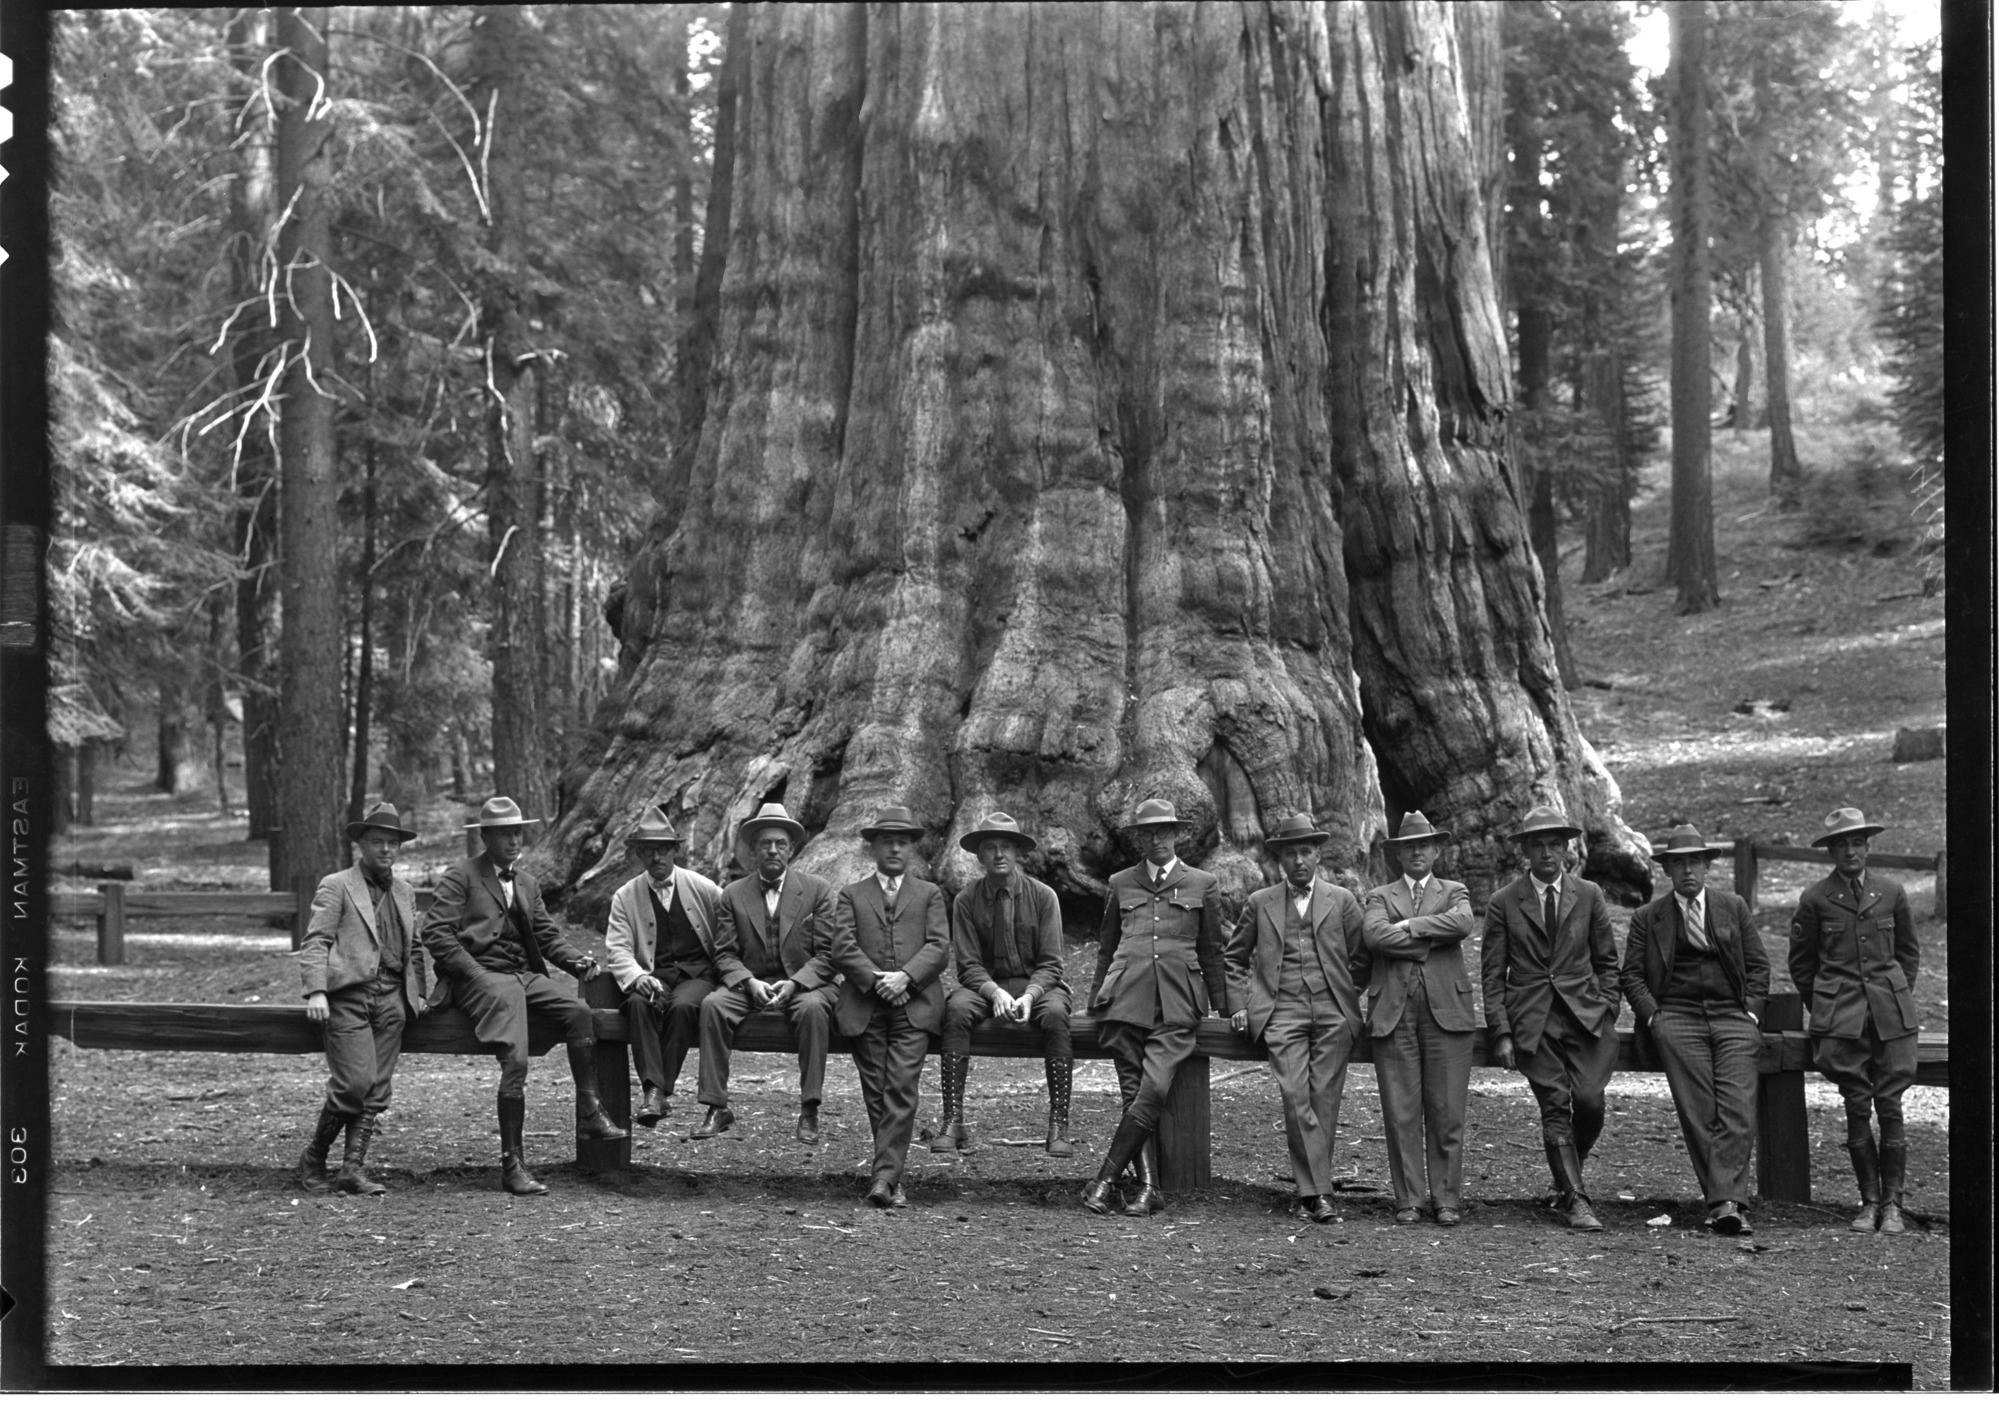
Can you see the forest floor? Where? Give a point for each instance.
(177, 1236)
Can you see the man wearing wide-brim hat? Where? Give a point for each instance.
(774, 951)
(1296, 959)
(1854, 956)
(365, 977)
(1006, 930)
(1159, 972)
(1549, 964)
(493, 941)
(1696, 976)
(659, 943)
(1422, 1019)
(891, 941)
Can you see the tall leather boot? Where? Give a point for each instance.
(312, 1162)
(1149, 1198)
(1102, 1195)
(1554, 1152)
(514, 1174)
(591, 1120)
(1867, 1172)
(353, 1176)
(1061, 1078)
(1894, 1170)
(1576, 1203)
(951, 1136)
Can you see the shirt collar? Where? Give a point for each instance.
(664, 890)
(1699, 902)
(1160, 873)
(992, 889)
(1541, 891)
(888, 883)
(1415, 886)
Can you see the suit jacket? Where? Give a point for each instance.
(1255, 951)
(1037, 935)
(867, 944)
(1434, 939)
(342, 947)
(1159, 949)
(631, 935)
(1850, 960)
(468, 916)
(1525, 967)
(1655, 930)
(803, 939)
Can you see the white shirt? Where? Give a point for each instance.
(1415, 890)
(1160, 873)
(1301, 900)
(771, 894)
(663, 892)
(1541, 891)
(889, 884)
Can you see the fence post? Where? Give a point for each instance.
(111, 925)
(302, 891)
(1184, 1130)
(1745, 869)
(1783, 1134)
(614, 1085)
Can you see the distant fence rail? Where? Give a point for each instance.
(114, 902)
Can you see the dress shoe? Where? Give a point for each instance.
(717, 1120)
(808, 1123)
(1408, 1216)
(896, 1198)
(1448, 1217)
(1869, 1219)
(593, 1122)
(654, 1108)
(1301, 1207)
(1101, 1196)
(1725, 1220)
(1323, 1211)
(1891, 1219)
(881, 1193)
(1581, 1218)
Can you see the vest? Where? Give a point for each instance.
(1299, 972)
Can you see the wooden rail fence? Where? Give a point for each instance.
(1783, 1159)
(1747, 853)
(114, 902)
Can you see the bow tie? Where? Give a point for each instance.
(771, 888)
(507, 874)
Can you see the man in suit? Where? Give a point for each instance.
(660, 944)
(365, 976)
(773, 949)
(1854, 957)
(1696, 976)
(493, 941)
(891, 940)
(1159, 972)
(1006, 930)
(1295, 959)
(1549, 964)
(1420, 1014)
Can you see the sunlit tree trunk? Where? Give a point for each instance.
(1690, 565)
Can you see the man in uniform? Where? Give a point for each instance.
(773, 949)
(365, 976)
(1549, 964)
(1295, 958)
(1854, 957)
(891, 941)
(1007, 933)
(1159, 972)
(1421, 1016)
(493, 941)
(1696, 976)
(660, 944)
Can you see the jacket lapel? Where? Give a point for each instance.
(1666, 931)
(1530, 903)
(491, 879)
(1564, 903)
(364, 901)
(1868, 895)
(787, 912)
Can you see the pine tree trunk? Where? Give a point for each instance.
(1742, 413)
(1012, 487)
(170, 736)
(1786, 476)
(1607, 535)
(514, 631)
(1690, 565)
(251, 265)
(309, 780)
(214, 701)
(364, 678)
(85, 803)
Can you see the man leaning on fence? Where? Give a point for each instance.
(1854, 957)
(365, 976)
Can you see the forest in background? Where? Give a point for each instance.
(503, 314)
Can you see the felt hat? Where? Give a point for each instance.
(382, 816)
(1545, 820)
(1155, 812)
(771, 815)
(500, 812)
(996, 824)
(1298, 827)
(1845, 822)
(1683, 840)
(653, 827)
(897, 819)
(1416, 828)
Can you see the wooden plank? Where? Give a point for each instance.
(614, 1084)
(1819, 856)
(141, 903)
(1783, 1131)
(1185, 1130)
(111, 926)
(1745, 869)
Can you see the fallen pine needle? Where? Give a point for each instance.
(1682, 1318)
(1046, 1334)
(841, 1229)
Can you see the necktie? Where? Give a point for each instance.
(1690, 915)
(1008, 950)
(888, 898)
(1548, 912)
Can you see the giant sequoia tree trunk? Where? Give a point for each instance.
(308, 844)
(1021, 476)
